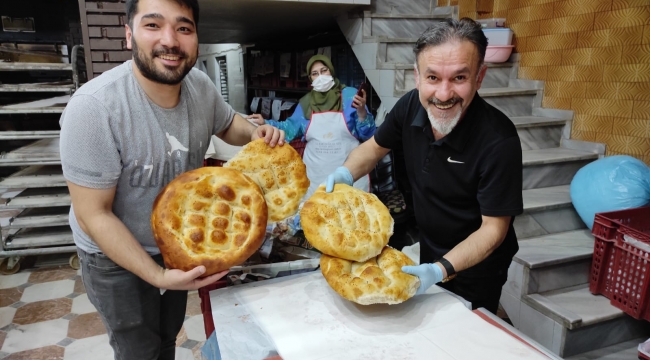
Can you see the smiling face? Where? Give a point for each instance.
(163, 40)
(447, 77)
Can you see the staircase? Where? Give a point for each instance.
(546, 295)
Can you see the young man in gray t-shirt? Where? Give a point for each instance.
(124, 136)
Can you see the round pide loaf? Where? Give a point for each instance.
(280, 173)
(379, 280)
(210, 216)
(347, 223)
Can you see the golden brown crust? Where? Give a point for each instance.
(347, 223)
(210, 216)
(379, 280)
(280, 173)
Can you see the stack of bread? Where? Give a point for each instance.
(352, 228)
(217, 216)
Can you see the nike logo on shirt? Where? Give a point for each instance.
(454, 161)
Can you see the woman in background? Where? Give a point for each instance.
(333, 120)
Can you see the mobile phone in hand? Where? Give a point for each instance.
(361, 87)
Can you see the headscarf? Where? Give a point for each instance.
(316, 101)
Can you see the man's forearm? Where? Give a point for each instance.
(117, 242)
(239, 132)
(479, 245)
(364, 158)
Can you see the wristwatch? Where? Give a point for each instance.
(451, 272)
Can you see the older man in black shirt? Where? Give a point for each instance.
(463, 161)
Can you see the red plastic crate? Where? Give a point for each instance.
(602, 265)
(206, 308)
(632, 268)
(605, 230)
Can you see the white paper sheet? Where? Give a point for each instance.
(305, 319)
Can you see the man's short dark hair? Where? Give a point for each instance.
(447, 30)
(132, 9)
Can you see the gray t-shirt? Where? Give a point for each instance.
(112, 135)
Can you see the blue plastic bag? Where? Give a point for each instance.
(610, 184)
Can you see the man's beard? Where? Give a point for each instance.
(444, 125)
(146, 65)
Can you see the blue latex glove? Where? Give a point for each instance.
(340, 176)
(429, 274)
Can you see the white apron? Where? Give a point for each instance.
(329, 143)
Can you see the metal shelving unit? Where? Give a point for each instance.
(37, 192)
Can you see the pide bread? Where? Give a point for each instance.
(347, 223)
(210, 216)
(280, 173)
(379, 280)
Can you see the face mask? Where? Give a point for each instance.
(323, 83)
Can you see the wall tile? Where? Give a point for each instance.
(575, 73)
(576, 7)
(525, 28)
(641, 110)
(564, 89)
(534, 2)
(629, 144)
(592, 56)
(635, 54)
(540, 11)
(552, 42)
(567, 24)
(556, 103)
(610, 37)
(631, 127)
(618, 90)
(533, 73)
(637, 16)
(627, 73)
(622, 4)
(646, 35)
(541, 58)
(602, 107)
(505, 5)
(599, 124)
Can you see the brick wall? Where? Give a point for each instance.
(594, 56)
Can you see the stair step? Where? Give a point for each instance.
(507, 91)
(553, 166)
(574, 307)
(572, 321)
(26, 66)
(625, 350)
(523, 122)
(556, 155)
(555, 249)
(549, 198)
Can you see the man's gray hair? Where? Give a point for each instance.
(447, 30)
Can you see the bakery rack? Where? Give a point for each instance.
(36, 202)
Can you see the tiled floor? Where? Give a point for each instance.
(45, 314)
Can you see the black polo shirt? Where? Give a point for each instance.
(475, 170)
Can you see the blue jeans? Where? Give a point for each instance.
(141, 324)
